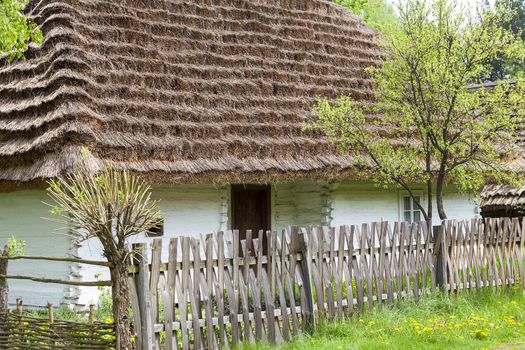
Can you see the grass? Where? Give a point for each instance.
(482, 320)
(103, 311)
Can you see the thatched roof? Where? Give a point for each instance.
(182, 90)
(502, 200)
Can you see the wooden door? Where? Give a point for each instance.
(251, 209)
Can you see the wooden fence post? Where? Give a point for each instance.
(4, 288)
(145, 306)
(4, 295)
(50, 313)
(439, 239)
(91, 313)
(308, 308)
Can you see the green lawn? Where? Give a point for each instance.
(485, 320)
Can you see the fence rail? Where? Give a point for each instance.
(218, 291)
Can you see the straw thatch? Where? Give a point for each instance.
(502, 200)
(182, 90)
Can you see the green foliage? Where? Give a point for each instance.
(376, 13)
(104, 306)
(431, 128)
(504, 67)
(483, 320)
(16, 32)
(15, 247)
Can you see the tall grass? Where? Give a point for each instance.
(482, 320)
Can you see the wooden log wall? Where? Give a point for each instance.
(217, 291)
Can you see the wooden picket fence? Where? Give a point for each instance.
(216, 291)
(482, 253)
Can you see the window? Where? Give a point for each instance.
(156, 231)
(411, 212)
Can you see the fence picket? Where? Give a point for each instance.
(397, 241)
(493, 252)
(471, 262)
(477, 235)
(281, 283)
(348, 267)
(290, 276)
(412, 263)
(463, 231)
(329, 270)
(268, 284)
(318, 268)
(169, 295)
(183, 292)
(387, 255)
(156, 251)
(210, 330)
(220, 289)
(338, 271)
(255, 278)
(522, 250)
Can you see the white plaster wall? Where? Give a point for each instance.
(300, 203)
(188, 210)
(195, 209)
(362, 202)
(21, 214)
(457, 206)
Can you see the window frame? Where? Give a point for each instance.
(156, 231)
(413, 206)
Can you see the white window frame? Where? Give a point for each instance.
(413, 209)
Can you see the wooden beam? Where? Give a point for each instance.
(56, 258)
(58, 281)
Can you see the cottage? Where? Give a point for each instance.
(205, 99)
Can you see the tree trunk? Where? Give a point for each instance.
(428, 165)
(4, 287)
(439, 195)
(121, 305)
(429, 205)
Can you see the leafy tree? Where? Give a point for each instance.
(376, 13)
(16, 32)
(504, 68)
(111, 206)
(14, 247)
(427, 126)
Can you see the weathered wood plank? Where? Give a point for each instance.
(169, 296)
(145, 303)
(221, 289)
(281, 283)
(339, 271)
(210, 330)
(183, 291)
(156, 251)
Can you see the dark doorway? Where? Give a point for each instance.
(251, 210)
